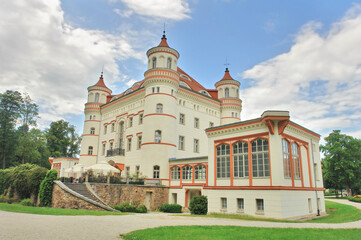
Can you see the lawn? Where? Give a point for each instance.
(52, 211)
(337, 213)
(232, 232)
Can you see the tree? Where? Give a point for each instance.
(62, 140)
(342, 162)
(10, 104)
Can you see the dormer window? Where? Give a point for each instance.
(154, 63)
(169, 63)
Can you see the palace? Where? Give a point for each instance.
(172, 130)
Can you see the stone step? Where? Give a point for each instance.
(82, 190)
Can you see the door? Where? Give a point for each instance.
(148, 199)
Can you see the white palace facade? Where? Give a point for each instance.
(171, 129)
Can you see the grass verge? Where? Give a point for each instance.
(53, 211)
(232, 232)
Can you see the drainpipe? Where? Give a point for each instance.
(314, 174)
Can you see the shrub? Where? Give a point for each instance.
(3, 199)
(354, 199)
(4, 180)
(141, 209)
(171, 208)
(46, 188)
(199, 205)
(127, 207)
(27, 202)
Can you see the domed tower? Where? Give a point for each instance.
(228, 94)
(97, 96)
(161, 82)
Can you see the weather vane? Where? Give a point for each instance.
(164, 30)
(226, 64)
(102, 70)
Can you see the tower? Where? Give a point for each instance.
(228, 94)
(161, 82)
(97, 96)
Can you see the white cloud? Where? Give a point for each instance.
(51, 60)
(318, 79)
(162, 9)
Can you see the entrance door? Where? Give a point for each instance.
(148, 199)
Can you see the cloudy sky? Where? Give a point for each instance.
(301, 56)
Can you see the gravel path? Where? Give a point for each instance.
(32, 226)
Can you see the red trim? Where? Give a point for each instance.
(270, 125)
(159, 76)
(96, 135)
(159, 114)
(309, 166)
(263, 188)
(148, 143)
(305, 130)
(160, 94)
(111, 140)
(231, 163)
(104, 141)
(215, 165)
(122, 99)
(257, 135)
(92, 121)
(92, 90)
(139, 133)
(186, 200)
(269, 159)
(231, 117)
(250, 173)
(68, 158)
(234, 126)
(292, 166)
(282, 125)
(82, 155)
(128, 136)
(237, 85)
(164, 52)
(294, 139)
(301, 169)
(198, 96)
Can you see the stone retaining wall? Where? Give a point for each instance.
(62, 199)
(115, 194)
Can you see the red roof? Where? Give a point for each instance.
(163, 42)
(120, 166)
(227, 76)
(193, 84)
(101, 83)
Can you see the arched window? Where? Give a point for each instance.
(223, 161)
(260, 158)
(296, 161)
(90, 150)
(159, 108)
(156, 171)
(158, 136)
(92, 130)
(187, 173)
(96, 99)
(226, 92)
(169, 63)
(200, 172)
(154, 63)
(175, 173)
(240, 159)
(286, 158)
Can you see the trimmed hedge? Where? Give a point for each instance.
(27, 202)
(46, 188)
(127, 207)
(199, 205)
(355, 199)
(171, 208)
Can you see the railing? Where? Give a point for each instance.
(115, 152)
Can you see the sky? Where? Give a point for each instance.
(300, 56)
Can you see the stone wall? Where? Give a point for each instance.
(115, 194)
(62, 199)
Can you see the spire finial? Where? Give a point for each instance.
(164, 30)
(226, 64)
(101, 75)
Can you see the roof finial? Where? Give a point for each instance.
(226, 64)
(101, 75)
(164, 31)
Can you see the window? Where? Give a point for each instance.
(196, 122)
(187, 172)
(159, 108)
(175, 173)
(129, 144)
(260, 205)
(211, 124)
(96, 99)
(158, 88)
(153, 89)
(127, 171)
(93, 117)
(200, 172)
(90, 117)
(154, 63)
(90, 150)
(309, 205)
(111, 146)
(105, 129)
(103, 149)
(140, 118)
(224, 203)
(232, 114)
(226, 92)
(169, 63)
(286, 158)
(158, 136)
(92, 131)
(181, 143)
(296, 161)
(196, 145)
(223, 161)
(260, 158)
(240, 159)
(113, 127)
(139, 145)
(240, 203)
(172, 92)
(137, 170)
(130, 121)
(181, 119)
(156, 171)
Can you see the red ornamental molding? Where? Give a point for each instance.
(270, 126)
(282, 125)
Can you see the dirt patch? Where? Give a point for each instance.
(333, 209)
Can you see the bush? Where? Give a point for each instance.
(141, 209)
(127, 207)
(4, 180)
(171, 208)
(199, 205)
(3, 199)
(354, 199)
(27, 202)
(46, 188)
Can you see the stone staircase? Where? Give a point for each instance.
(82, 190)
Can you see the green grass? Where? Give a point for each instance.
(336, 198)
(342, 213)
(232, 232)
(52, 211)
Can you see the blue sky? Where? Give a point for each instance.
(301, 56)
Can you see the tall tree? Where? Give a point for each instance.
(342, 162)
(62, 140)
(29, 112)
(10, 104)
